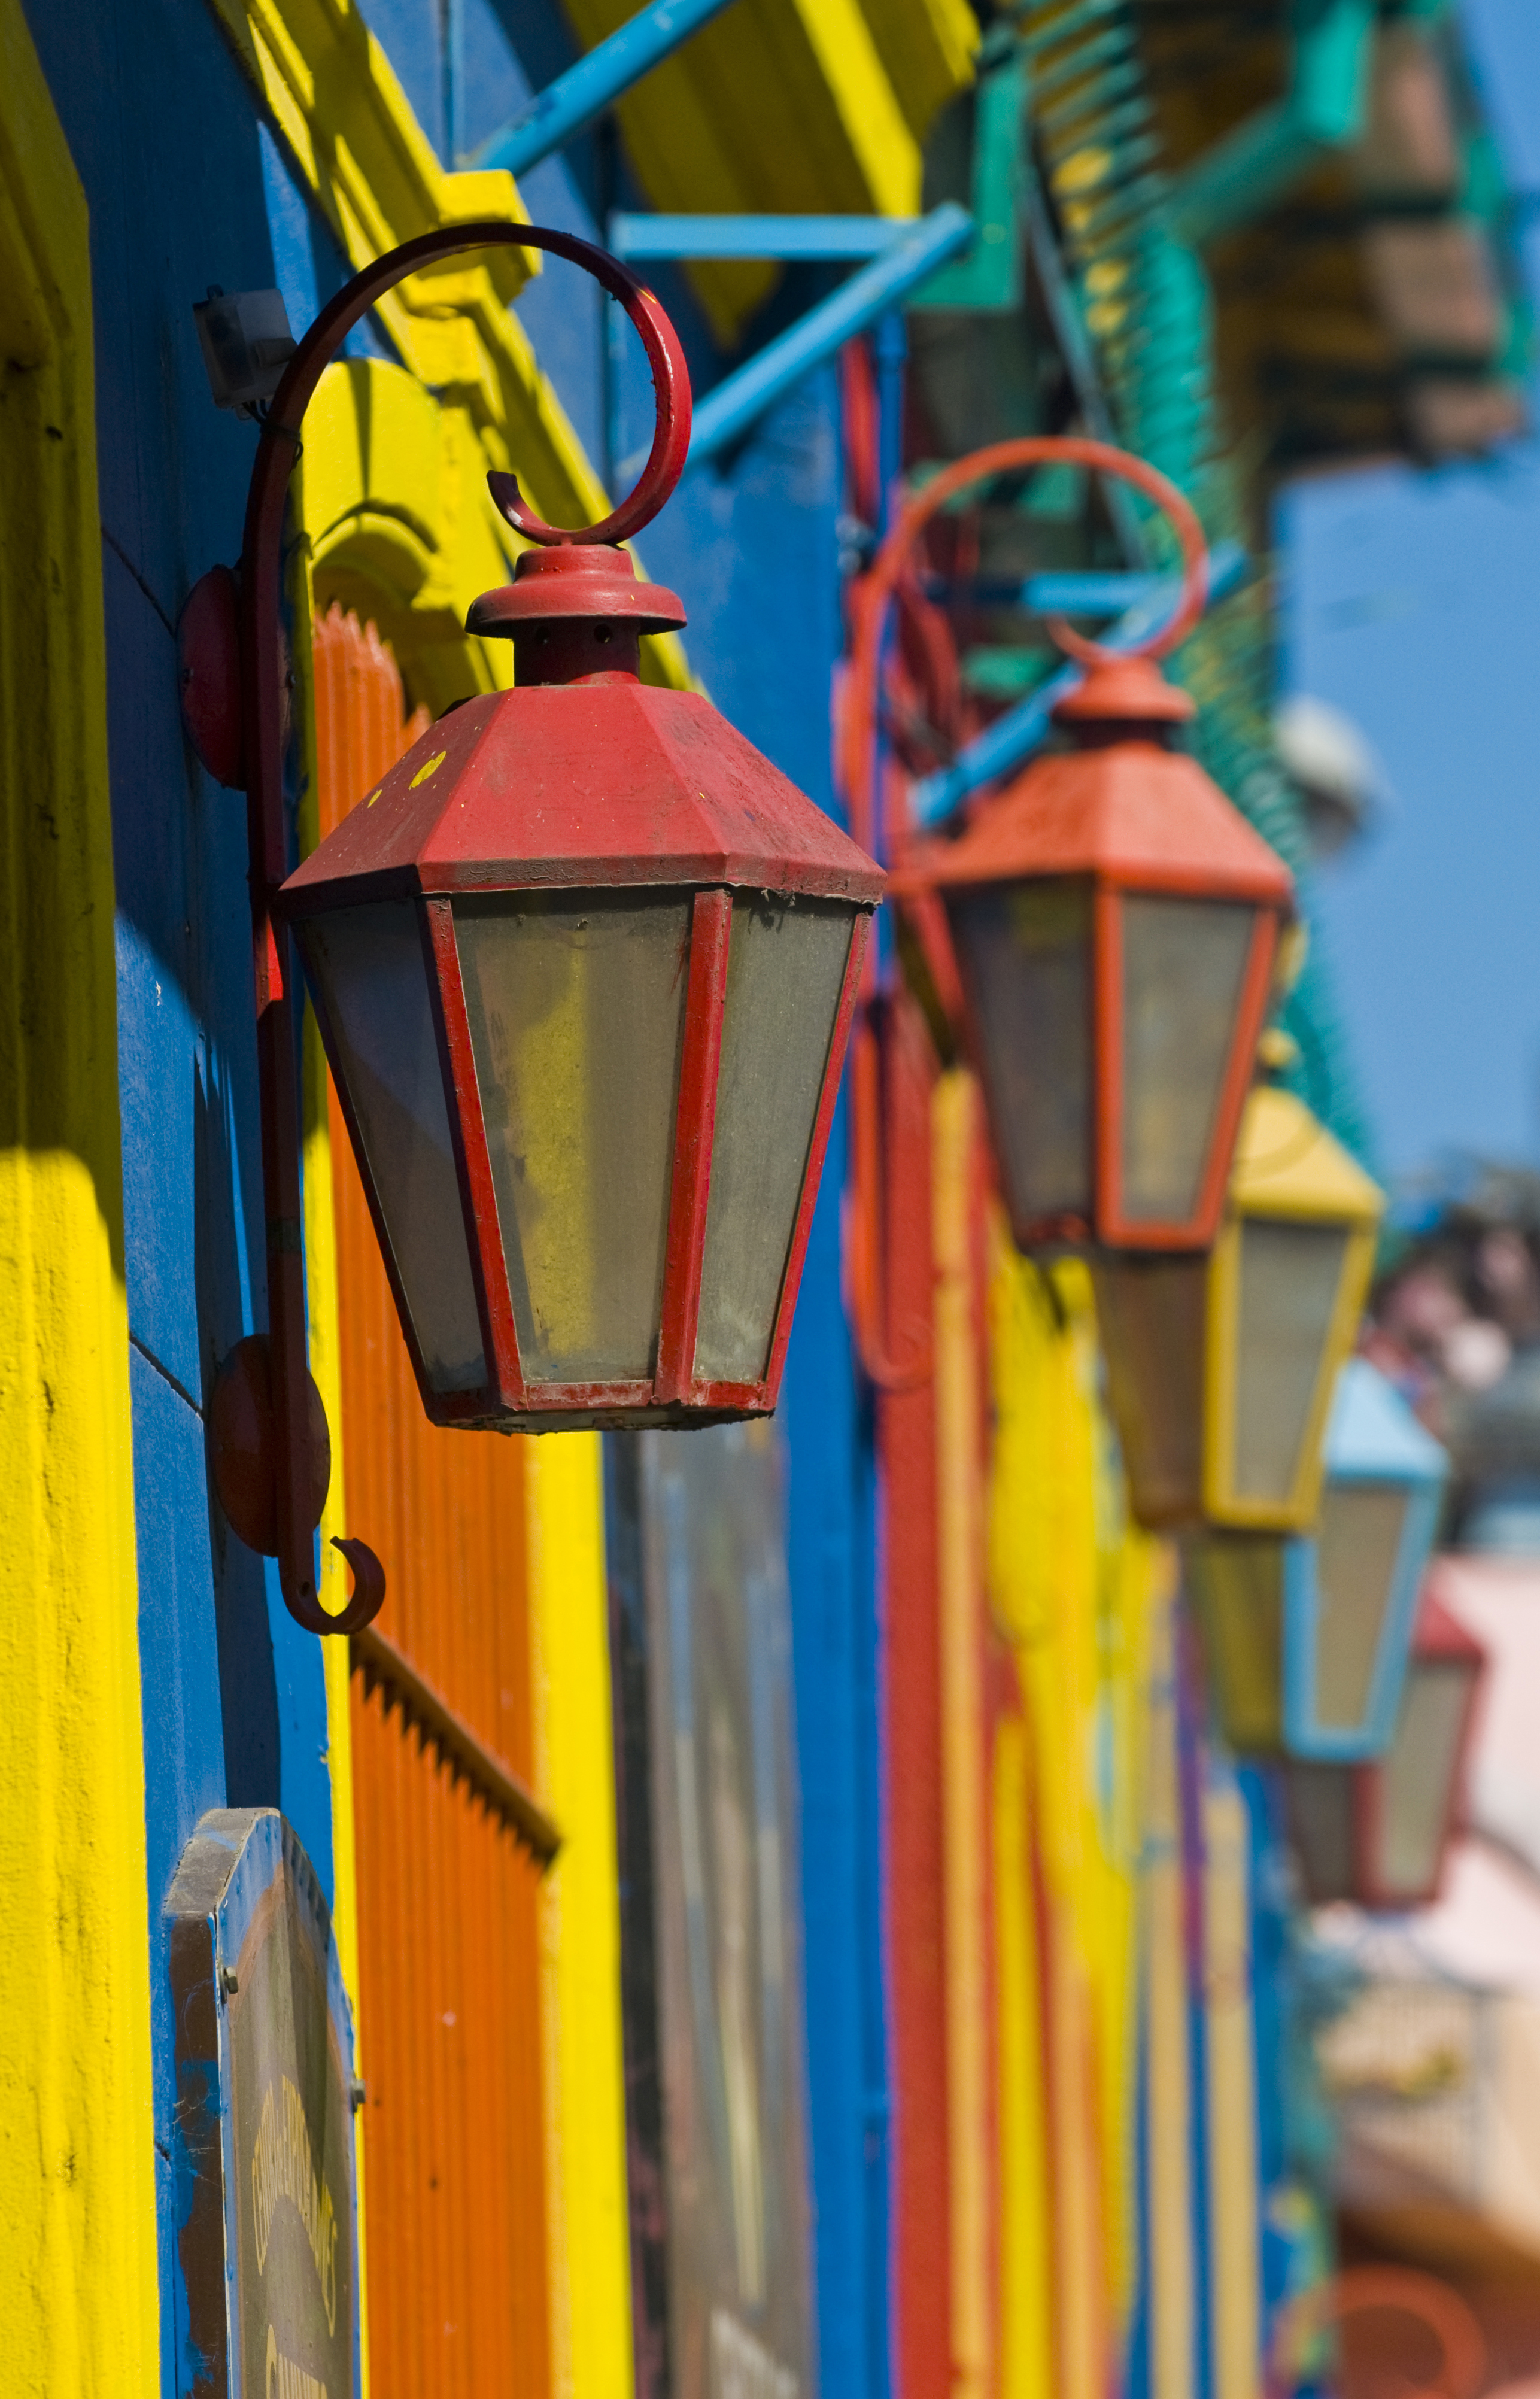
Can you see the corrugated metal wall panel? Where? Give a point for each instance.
(448, 1965)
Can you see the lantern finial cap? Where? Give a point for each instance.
(576, 583)
(1124, 691)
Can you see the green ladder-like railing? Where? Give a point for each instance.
(1147, 304)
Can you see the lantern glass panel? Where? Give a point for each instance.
(577, 1009)
(1025, 950)
(1322, 1814)
(1290, 1274)
(786, 970)
(1236, 1586)
(1360, 1541)
(1153, 1313)
(1184, 967)
(371, 974)
(1417, 1785)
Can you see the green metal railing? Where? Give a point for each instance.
(1144, 296)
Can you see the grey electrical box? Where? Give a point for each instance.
(246, 343)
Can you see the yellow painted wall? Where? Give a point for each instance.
(580, 1923)
(1233, 2231)
(78, 2305)
(1070, 1588)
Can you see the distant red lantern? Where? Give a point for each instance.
(1380, 1833)
(1115, 920)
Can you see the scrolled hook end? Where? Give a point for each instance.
(369, 1585)
(507, 497)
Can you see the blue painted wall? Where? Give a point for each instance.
(173, 168)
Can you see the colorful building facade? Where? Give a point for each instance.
(998, 2107)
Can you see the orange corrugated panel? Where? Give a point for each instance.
(448, 1941)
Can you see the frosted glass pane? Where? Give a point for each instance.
(1418, 1767)
(1152, 1313)
(1359, 1544)
(369, 967)
(1184, 963)
(1025, 954)
(1289, 1277)
(1320, 1815)
(1236, 1585)
(785, 971)
(576, 1009)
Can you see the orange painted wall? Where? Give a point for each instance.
(448, 1967)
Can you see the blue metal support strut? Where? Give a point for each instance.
(1021, 731)
(571, 103)
(727, 413)
(638, 236)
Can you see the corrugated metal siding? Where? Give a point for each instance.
(448, 1963)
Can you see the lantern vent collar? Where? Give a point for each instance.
(1121, 699)
(579, 584)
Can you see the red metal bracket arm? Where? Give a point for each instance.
(264, 676)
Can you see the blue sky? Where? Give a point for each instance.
(1413, 601)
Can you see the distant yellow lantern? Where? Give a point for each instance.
(1221, 1367)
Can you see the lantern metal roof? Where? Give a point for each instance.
(1129, 811)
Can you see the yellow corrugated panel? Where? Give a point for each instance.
(795, 106)
(77, 2194)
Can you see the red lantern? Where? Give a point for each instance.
(585, 966)
(1380, 1833)
(1113, 919)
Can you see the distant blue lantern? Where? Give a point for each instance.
(1350, 1597)
(1306, 1639)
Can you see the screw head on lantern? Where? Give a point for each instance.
(583, 965)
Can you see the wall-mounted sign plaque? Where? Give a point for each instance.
(268, 2237)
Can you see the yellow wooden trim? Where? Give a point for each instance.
(1026, 2232)
(586, 2212)
(1168, 2183)
(351, 134)
(960, 1546)
(1235, 2255)
(79, 2290)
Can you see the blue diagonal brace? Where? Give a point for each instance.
(727, 413)
(557, 115)
(638, 236)
(1015, 736)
